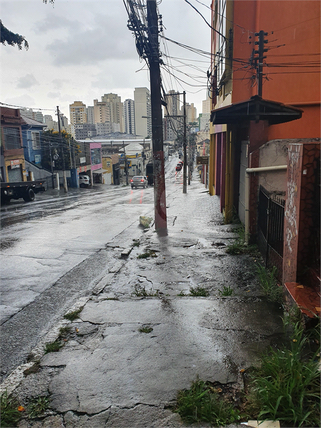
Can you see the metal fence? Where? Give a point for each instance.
(270, 229)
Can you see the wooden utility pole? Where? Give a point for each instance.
(261, 50)
(62, 153)
(157, 123)
(184, 144)
(125, 164)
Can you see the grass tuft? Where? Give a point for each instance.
(140, 291)
(10, 414)
(226, 291)
(202, 403)
(198, 291)
(64, 332)
(146, 329)
(269, 284)
(53, 346)
(238, 245)
(286, 386)
(38, 406)
(72, 316)
(147, 254)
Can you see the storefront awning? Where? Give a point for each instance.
(98, 171)
(256, 109)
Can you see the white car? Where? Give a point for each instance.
(84, 181)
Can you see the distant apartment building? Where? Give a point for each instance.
(90, 114)
(102, 112)
(143, 119)
(103, 128)
(129, 116)
(206, 105)
(35, 115)
(78, 113)
(171, 122)
(204, 121)
(191, 113)
(50, 123)
(84, 130)
(116, 109)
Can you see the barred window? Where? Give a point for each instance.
(35, 136)
(11, 138)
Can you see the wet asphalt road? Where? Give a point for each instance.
(53, 249)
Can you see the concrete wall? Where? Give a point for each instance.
(273, 153)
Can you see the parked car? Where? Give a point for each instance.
(139, 180)
(84, 180)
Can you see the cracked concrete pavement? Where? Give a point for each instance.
(110, 373)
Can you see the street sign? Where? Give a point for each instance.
(202, 160)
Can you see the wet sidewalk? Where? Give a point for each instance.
(157, 319)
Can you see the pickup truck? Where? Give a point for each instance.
(21, 189)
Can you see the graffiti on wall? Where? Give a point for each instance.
(291, 231)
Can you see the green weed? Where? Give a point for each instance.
(37, 406)
(72, 316)
(136, 243)
(269, 284)
(10, 414)
(238, 246)
(140, 291)
(202, 403)
(146, 329)
(198, 291)
(226, 291)
(64, 331)
(182, 294)
(53, 346)
(286, 386)
(148, 253)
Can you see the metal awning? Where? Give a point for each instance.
(256, 108)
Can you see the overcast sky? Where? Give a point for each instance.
(82, 49)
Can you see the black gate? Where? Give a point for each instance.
(270, 229)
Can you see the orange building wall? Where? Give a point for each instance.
(293, 29)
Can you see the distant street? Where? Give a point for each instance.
(45, 240)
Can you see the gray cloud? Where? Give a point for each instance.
(27, 81)
(54, 22)
(102, 40)
(58, 83)
(53, 95)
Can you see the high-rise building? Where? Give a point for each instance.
(103, 128)
(39, 116)
(84, 130)
(50, 123)
(206, 105)
(102, 112)
(116, 109)
(129, 116)
(78, 113)
(191, 113)
(172, 110)
(143, 114)
(90, 114)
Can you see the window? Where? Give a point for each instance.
(11, 138)
(35, 137)
(220, 21)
